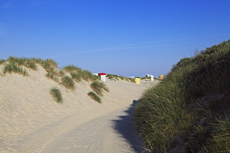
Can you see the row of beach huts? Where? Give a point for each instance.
(102, 77)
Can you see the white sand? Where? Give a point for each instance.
(31, 121)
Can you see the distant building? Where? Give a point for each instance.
(102, 76)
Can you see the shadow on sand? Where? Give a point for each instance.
(126, 129)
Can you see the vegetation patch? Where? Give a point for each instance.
(67, 82)
(94, 96)
(56, 94)
(112, 77)
(61, 72)
(116, 78)
(71, 68)
(12, 67)
(188, 111)
(132, 80)
(29, 63)
(98, 86)
(52, 76)
(76, 76)
(121, 77)
(2, 61)
(83, 75)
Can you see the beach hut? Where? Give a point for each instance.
(161, 77)
(137, 80)
(151, 78)
(102, 76)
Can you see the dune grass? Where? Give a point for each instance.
(61, 72)
(94, 96)
(67, 82)
(112, 77)
(98, 87)
(14, 68)
(121, 77)
(52, 76)
(22, 61)
(189, 109)
(116, 78)
(80, 75)
(131, 80)
(2, 61)
(56, 94)
(71, 68)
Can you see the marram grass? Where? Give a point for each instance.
(94, 96)
(67, 82)
(98, 87)
(56, 94)
(52, 76)
(14, 68)
(189, 110)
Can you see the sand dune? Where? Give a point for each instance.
(31, 121)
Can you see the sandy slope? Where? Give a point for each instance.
(31, 121)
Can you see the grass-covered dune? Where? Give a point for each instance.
(189, 111)
(68, 76)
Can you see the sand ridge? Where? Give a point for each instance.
(31, 119)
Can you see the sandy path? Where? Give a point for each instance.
(112, 132)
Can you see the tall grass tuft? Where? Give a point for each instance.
(121, 77)
(112, 77)
(131, 80)
(56, 94)
(71, 68)
(76, 76)
(27, 62)
(2, 61)
(67, 82)
(12, 67)
(52, 76)
(98, 87)
(94, 96)
(188, 110)
(116, 78)
(61, 72)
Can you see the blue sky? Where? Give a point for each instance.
(123, 37)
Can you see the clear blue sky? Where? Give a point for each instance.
(123, 37)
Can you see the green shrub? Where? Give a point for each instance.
(67, 82)
(185, 109)
(12, 67)
(56, 94)
(94, 96)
